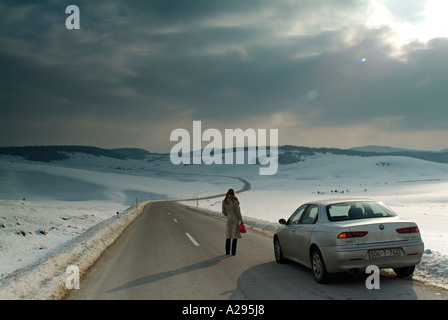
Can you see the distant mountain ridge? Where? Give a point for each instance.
(56, 153)
(387, 149)
(287, 154)
(291, 152)
(132, 153)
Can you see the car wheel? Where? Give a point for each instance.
(404, 272)
(318, 266)
(278, 251)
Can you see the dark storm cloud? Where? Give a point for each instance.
(136, 70)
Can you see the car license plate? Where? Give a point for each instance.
(393, 252)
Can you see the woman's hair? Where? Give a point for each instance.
(231, 195)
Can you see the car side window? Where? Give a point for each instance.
(310, 215)
(295, 217)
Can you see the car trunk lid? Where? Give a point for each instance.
(383, 230)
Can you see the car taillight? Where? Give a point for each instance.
(356, 234)
(408, 230)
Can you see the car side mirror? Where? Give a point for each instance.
(282, 221)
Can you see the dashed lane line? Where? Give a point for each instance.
(192, 239)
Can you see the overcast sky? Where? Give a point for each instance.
(324, 73)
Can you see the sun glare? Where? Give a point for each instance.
(433, 25)
(436, 23)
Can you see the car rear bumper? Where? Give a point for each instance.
(346, 258)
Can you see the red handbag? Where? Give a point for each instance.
(242, 228)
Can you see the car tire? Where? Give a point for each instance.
(278, 251)
(404, 272)
(318, 267)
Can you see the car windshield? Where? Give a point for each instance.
(358, 210)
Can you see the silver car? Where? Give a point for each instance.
(348, 235)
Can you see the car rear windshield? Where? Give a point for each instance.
(358, 210)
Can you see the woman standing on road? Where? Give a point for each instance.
(231, 209)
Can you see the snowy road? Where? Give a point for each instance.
(172, 252)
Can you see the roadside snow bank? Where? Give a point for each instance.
(45, 279)
(433, 269)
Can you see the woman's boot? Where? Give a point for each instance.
(227, 246)
(234, 246)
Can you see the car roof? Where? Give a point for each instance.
(327, 202)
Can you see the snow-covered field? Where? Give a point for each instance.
(54, 208)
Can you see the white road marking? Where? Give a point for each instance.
(174, 219)
(192, 239)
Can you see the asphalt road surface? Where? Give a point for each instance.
(172, 252)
